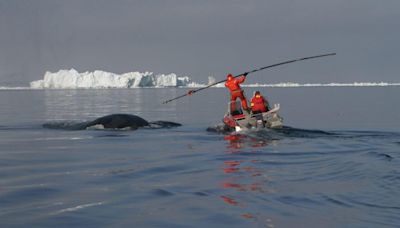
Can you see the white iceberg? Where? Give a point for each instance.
(72, 79)
(334, 84)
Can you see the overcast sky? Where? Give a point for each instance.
(202, 38)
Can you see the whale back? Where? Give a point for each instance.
(117, 121)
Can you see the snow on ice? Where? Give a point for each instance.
(72, 79)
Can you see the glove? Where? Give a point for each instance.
(245, 74)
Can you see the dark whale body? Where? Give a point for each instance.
(114, 121)
(118, 121)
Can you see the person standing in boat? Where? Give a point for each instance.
(259, 103)
(233, 84)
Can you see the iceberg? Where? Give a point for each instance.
(13, 88)
(334, 84)
(72, 79)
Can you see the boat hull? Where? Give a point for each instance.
(250, 121)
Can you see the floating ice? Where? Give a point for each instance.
(72, 79)
(354, 84)
(211, 80)
(13, 88)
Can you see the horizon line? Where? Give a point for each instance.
(274, 85)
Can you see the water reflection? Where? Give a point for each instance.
(245, 177)
(85, 104)
(78, 104)
(241, 141)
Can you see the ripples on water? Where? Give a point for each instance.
(343, 174)
(188, 177)
(274, 178)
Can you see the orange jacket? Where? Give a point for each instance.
(258, 103)
(233, 85)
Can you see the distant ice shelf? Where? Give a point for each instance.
(353, 84)
(72, 79)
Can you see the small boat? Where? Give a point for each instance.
(239, 120)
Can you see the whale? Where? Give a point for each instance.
(118, 121)
(113, 121)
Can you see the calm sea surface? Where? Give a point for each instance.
(338, 166)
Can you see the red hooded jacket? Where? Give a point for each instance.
(233, 84)
(258, 104)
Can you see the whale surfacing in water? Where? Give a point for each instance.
(118, 121)
(113, 121)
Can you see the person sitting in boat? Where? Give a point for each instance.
(258, 103)
(233, 84)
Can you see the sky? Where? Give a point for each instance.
(202, 38)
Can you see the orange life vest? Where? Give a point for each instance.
(258, 104)
(233, 84)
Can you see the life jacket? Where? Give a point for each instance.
(233, 84)
(258, 104)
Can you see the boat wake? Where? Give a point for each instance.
(275, 134)
(287, 132)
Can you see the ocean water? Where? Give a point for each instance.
(337, 166)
